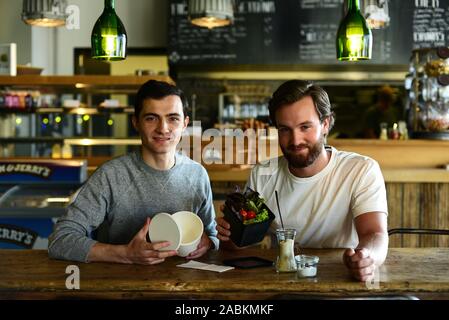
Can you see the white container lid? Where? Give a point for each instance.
(164, 228)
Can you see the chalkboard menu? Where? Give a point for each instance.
(289, 32)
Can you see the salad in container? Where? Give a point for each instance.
(249, 217)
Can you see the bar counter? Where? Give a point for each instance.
(391, 175)
(30, 274)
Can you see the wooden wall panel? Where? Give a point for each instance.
(394, 199)
(429, 213)
(424, 205)
(410, 212)
(443, 222)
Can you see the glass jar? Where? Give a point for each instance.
(437, 62)
(436, 117)
(306, 266)
(418, 62)
(285, 261)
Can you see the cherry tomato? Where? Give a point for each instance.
(251, 215)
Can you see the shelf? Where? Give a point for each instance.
(102, 141)
(75, 141)
(91, 91)
(78, 110)
(80, 81)
(390, 175)
(29, 212)
(31, 140)
(260, 117)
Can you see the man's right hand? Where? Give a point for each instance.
(139, 251)
(359, 263)
(223, 229)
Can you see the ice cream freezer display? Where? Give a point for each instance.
(33, 194)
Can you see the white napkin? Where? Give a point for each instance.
(204, 266)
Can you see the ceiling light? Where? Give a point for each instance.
(109, 38)
(48, 13)
(354, 38)
(211, 13)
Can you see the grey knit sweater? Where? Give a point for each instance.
(113, 204)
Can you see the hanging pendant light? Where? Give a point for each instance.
(354, 38)
(109, 38)
(376, 13)
(211, 13)
(48, 13)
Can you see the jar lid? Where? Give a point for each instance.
(443, 79)
(307, 260)
(443, 52)
(163, 227)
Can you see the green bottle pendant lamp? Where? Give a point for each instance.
(109, 38)
(354, 38)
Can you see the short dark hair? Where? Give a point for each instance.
(294, 90)
(157, 90)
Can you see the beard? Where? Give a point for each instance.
(299, 161)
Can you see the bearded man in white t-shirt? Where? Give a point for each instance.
(334, 199)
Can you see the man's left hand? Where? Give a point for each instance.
(359, 263)
(204, 245)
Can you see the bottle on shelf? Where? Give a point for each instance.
(15, 100)
(28, 101)
(403, 132)
(56, 151)
(383, 131)
(8, 100)
(21, 96)
(394, 132)
(67, 151)
(2, 100)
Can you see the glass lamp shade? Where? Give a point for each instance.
(109, 39)
(211, 13)
(48, 13)
(354, 37)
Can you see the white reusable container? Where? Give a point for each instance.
(183, 229)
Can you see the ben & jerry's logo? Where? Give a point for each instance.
(27, 168)
(17, 235)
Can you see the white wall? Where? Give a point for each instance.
(43, 53)
(13, 29)
(145, 22)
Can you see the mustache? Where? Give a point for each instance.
(298, 146)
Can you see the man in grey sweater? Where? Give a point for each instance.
(120, 198)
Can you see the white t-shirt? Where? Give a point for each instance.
(322, 208)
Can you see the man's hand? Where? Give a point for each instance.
(360, 264)
(204, 245)
(140, 251)
(223, 229)
(224, 233)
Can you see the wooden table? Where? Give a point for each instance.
(30, 274)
